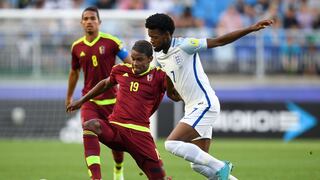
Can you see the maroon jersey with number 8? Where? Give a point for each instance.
(96, 59)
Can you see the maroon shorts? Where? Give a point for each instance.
(91, 110)
(140, 145)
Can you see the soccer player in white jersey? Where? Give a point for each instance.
(179, 58)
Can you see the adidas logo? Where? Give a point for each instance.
(82, 54)
(125, 75)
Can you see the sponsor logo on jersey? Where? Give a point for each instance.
(82, 54)
(102, 49)
(125, 75)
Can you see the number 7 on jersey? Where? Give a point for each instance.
(173, 76)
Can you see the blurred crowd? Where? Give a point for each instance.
(292, 43)
(230, 14)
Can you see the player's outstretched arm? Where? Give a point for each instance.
(171, 91)
(102, 86)
(232, 36)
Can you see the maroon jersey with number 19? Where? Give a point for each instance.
(139, 95)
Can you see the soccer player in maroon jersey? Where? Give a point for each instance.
(95, 54)
(141, 89)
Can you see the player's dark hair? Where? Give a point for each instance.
(143, 46)
(91, 8)
(161, 22)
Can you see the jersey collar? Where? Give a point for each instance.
(173, 42)
(143, 73)
(93, 42)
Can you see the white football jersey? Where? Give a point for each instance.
(182, 64)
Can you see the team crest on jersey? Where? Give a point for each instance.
(102, 49)
(149, 77)
(177, 58)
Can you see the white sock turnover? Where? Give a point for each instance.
(193, 153)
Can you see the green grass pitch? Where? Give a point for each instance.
(254, 159)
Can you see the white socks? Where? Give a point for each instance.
(204, 170)
(207, 172)
(193, 153)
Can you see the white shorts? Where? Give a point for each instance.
(201, 120)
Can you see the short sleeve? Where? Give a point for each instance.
(118, 49)
(193, 45)
(113, 74)
(122, 52)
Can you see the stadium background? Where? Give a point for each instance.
(268, 82)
